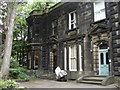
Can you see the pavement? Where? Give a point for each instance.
(44, 83)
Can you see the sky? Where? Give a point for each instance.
(30, 1)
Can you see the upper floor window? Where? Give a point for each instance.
(72, 20)
(99, 11)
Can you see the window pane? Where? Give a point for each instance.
(72, 20)
(107, 59)
(72, 26)
(99, 6)
(73, 63)
(99, 11)
(72, 16)
(103, 46)
(73, 58)
(101, 58)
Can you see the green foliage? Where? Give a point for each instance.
(18, 73)
(8, 84)
(18, 47)
(37, 5)
(14, 63)
(21, 28)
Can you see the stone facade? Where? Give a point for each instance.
(51, 43)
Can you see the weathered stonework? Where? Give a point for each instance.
(50, 33)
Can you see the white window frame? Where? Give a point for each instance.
(74, 56)
(80, 58)
(72, 21)
(99, 10)
(65, 58)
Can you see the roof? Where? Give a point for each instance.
(40, 12)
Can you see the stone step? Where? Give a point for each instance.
(102, 80)
(93, 78)
(99, 76)
(91, 82)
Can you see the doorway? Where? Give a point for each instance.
(103, 60)
(54, 60)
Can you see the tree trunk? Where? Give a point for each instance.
(9, 39)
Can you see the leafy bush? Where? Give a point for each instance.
(13, 73)
(23, 76)
(14, 63)
(8, 84)
(18, 73)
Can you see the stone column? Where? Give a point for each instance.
(32, 59)
(40, 68)
(88, 63)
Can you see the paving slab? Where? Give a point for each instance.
(44, 83)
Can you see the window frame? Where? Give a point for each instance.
(74, 21)
(94, 18)
(72, 56)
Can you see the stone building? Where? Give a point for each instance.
(80, 37)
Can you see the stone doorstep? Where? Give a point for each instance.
(108, 80)
(101, 80)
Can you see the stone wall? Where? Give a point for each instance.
(116, 36)
(97, 40)
(53, 29)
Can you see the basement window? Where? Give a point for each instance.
(99, 11)
(72, 20)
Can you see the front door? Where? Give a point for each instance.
(104, 62)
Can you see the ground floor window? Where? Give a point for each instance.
(53, 60)
(36, 59)
(72, 58)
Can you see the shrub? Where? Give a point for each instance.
(18, 73)
(14, 63)
(8, 84)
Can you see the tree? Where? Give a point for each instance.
(9, 38)
(12, 34)
(20, 29)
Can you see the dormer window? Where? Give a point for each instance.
(99, 11)
(72, 20)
